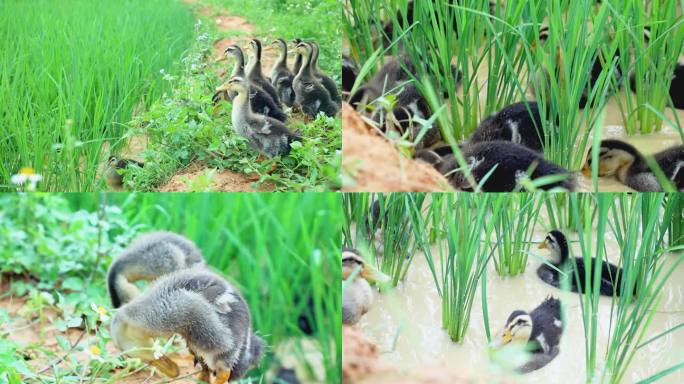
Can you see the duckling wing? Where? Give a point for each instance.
(539, 360)
(671, 161)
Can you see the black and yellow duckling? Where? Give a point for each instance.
(260, 101)
(207, 311)
(116, 168)
(281, 76)
(350, 71)
(357, 296)
(539, 332)
(504, 164)
(265, 134)
(149, 256)
(622, 160)
(310, 94)
(520, 123)
(557, 244)
(325, 80)
(253, 71)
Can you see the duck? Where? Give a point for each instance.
(357, 295)
(310, 94)
(203, 308)
(260, 101)
(539, 332)
(297, 63)
(520, 123)
(267, 135)
(253, 71)
(557, 244)
(374, 232)
(148, 257)
(281, 76)
(512, 161)
(325, 80)
(622, 160)
(116, 168)
(350, 71)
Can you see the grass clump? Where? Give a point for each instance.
(514, 228)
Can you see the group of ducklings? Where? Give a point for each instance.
(185, 298)
(258, 100)
(538, 332)
(507, 146)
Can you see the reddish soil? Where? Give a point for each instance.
(374, 164)
(225, 181)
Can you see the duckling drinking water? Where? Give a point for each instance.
(208, 312)
(538, 331)
(520, 123)
(357, 296)
(151, 255)
(620, 159)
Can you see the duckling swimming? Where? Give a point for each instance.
(557, 244)
(538, 331)
(357, 296)
(519, 123)
(149, 256)
(622, 160)
(310, 94)
(508, 163)
(208, 312)
(281, 77)
(117, 167)
(267, 135)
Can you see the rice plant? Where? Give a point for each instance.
(70, 81)
(514, 228)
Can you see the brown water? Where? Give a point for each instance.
(409, 317)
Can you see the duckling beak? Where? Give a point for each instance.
(586, 171)
(373, 275)
(543, 245)
(166, 366)
(223, 87)
(504, 338)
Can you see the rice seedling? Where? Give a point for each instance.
(71, 80)
(514, 228)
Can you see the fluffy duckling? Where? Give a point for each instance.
(325, 80)
(297, 64)
(350, 71)
(116, 168)
(309, 92)
(267, 135)
(519, 123)
(357, 297)
(253, 70)
(149, 256)
(622, 160)
(508, 163)
(260, 101)
(208, 312)
(557, 245)
(538, 331)
(281, 77)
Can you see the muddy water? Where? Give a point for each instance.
(406, 324)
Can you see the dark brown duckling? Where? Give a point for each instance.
(253, 70)
(311, 95)
(116, 168)
(350, 71)
(281, 77)
(297, 64)
(325, 80)
(520, 123)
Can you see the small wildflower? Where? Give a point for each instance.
(95, 353)
(26, 176)
(101, 312)
(157, 347)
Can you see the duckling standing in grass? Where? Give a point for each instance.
(557, 244)
(310, 94)
(281, 77)
(622, 160)
(297, 64)
(504, 164)
(520, 123)
(116, 168)
(357, 295)
(151, 255)
(538, 331)
(254, 74)
(267, 135)
(326, 81)
(208, 312)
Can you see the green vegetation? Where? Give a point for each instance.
(281, 250)
(73, 73)
(514, 231)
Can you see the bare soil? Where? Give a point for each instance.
(372, 164)
(226, 180)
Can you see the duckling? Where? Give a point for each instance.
(538, 331)
(310, 94)
(350, 71)
(149, 256)
(253, 70)
(557, 244)
(519, 123)
(322, 77)
(260, 101)
(357, 296)
(116, 168)
(267, 135)
(512, 162)
(620, 159)
(281, 77)
(297, 64)
(208, 312)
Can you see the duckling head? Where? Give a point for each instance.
(279, 44)
(557, 244)
(233, 51)
(303, 48)
(518, 329)
(352, 260)
(615, 158)
(255, 48)
(237, 84)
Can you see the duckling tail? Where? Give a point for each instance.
(114, 271)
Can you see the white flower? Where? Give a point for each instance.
(26, 176)
(101, 312)
(95, 353)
